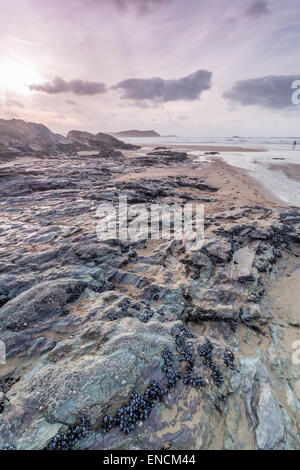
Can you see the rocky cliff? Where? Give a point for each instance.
(22, 138)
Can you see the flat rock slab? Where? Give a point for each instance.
(242, 262)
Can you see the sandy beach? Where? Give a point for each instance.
(239, 185)
(197, 147)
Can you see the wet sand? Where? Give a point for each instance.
(203, 148)
(291, 171)
(235, 185)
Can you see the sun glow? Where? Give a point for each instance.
(17, 75)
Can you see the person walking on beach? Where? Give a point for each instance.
(294, 144)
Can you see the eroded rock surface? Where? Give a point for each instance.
(142, 345)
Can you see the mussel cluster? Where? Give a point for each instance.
(2, 405)
(147, 315)
(7, 382)
(172, 374)
(218, 401)
(74, 292)
(125, 304)
(206, 351)
(140, 406)
(138, 409)
(186, 354)
(228, 359)
(9, 447)
(68, 439)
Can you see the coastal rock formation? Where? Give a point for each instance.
(122, 344)
(170, 156)
(98, 141)
(19, 138)
(136, 133)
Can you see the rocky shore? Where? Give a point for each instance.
(144, 345)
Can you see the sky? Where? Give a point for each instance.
(196, 68)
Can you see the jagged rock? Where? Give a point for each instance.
(18, 137)
(99, 141)
(29, 137)
(41, 302)
(131, 351)
(218, 248)
(170, 156)
(270, 432)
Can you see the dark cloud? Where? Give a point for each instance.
(78, 87)
(273, 92)
(71, 102)
(258, 8)
(156, 89)
(140, 6)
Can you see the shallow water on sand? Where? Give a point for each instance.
(269, 169)
(270, 164)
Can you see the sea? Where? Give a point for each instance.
(266, 163)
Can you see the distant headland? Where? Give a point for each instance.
(136, 133)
